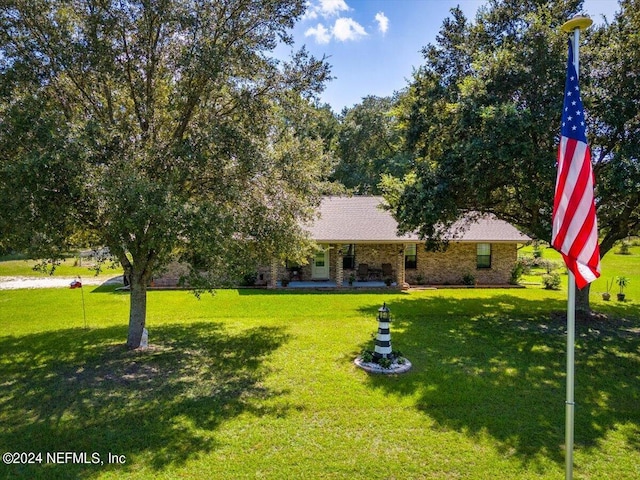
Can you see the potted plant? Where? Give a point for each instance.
(352, 278)
(606, 295)
(622, 282)
(284, 282)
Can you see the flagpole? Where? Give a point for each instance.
(570, 398)
(572, 26)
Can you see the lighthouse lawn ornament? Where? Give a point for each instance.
(383, 359)
(383, 338)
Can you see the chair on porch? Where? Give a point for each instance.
(363, 272)
(387, 271)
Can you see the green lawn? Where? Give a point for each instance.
(258, 384)
(69, 267)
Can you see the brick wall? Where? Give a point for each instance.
(436, 268)
(459, 259)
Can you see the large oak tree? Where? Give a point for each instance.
(166, 128)
(482, 121)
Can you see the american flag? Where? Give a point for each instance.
(575, 228)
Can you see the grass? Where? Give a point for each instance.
(613, 265)
(259, 384)
(12, 266)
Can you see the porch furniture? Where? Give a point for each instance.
(387, 270)
(375, 273)
(363, 272)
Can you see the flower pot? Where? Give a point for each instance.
(620, 297)
(606, 296)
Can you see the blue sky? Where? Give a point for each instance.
(373, 45)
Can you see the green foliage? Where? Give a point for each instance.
(537, 251)
(516, 272)
(163, 131)
(366, 356)
(481, 120)
(623, 249)
(551, 281)
(622, 282)
(468, 279)
(385, 362)
(368, 145)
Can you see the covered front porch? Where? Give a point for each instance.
(363, 265)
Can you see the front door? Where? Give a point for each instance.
(320, 264)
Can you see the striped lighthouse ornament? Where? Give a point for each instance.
(383, 337)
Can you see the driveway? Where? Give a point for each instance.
(13, 283)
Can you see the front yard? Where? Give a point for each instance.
(259, 384)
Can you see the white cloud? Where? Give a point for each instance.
(329, 8)
(320, 33)
(344, 29)
(324, 8)
(348, 29)
(311, 13)
(383, 22)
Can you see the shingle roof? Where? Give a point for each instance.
(361, 219)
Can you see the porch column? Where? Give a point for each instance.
(273, 278)
(400, 270)
(339, 269)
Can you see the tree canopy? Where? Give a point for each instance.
(481, 120)
(368, 144)
(165, 128)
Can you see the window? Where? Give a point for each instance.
(349, 256)
(411, 256)
(320, 258)
(483, 255)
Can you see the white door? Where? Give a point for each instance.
(320, 264)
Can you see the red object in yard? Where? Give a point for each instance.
(75, 284)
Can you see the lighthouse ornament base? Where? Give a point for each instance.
(383, 359)
(394, 367)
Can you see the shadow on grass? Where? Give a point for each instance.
(81, 391)
(496, 367)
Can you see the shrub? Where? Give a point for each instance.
(249, 279)
(366, 356)
(516, 273)
(527, 263)
(468, 279)
(384, 362)
(537, 251)
(551, 281)
(548, 265)
(624, 248)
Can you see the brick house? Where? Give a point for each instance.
(357, 239)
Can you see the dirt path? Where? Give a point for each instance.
(13, 283)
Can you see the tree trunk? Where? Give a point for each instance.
(137, 310)
(582, 299)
